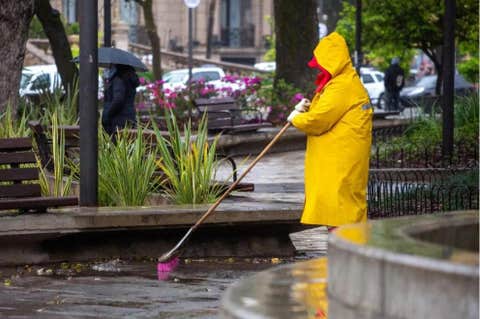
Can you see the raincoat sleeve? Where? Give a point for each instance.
(326, 110)
(118, 99)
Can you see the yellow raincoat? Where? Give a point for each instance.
(338, 127)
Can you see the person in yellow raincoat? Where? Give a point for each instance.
(338, 124)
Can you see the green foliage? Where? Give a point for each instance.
(56, 184)
(13, 126)
(72, 28)
(35, 30)
(148, 75)
(467, 179)
(425, 132)
(393, 28)
(64, 104)
(126, 169)
(271, 53)
(374, 54)
(467, 120)
(189, 163)
(469, 68)
(279, 99)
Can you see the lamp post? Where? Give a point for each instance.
(191, 4)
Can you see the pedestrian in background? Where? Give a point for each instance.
(121, 83)
(394, 81)
(338, 124)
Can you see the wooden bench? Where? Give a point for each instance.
(225, 115)
(19, 187)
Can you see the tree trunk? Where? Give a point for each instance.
(15, 17)
(296, 32)
(53, 27)
(154, 39)
(211, 14)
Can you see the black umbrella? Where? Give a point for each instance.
(107, 56)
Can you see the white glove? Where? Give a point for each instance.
(292, 115)
(303, 105)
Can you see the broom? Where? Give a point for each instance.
(168, 261)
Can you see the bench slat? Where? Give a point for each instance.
(20, 190)
(38, 202)
(15, 144)
(17, 158)
(19, 174)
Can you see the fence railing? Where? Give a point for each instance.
(392, 156)
(181, 60)
(395, 192)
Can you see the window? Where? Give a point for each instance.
(206, 76)
(70, 10)
(379, 77)
(237, 28)
(367, 78)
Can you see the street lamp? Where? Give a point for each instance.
(191, 4)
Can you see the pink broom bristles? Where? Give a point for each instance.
(163, 269)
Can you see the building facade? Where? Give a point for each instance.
(240, 27)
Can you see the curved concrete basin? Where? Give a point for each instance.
(415, 267)
(411, 267)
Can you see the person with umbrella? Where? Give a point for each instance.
(121, 83)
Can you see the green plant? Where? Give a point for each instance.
(467, 120)
(126, 169)
(35, 31)
(63, 104)
(60, 185)
(72, 28)
(271, 53)
(13, 126)
(189, 162)
(278, 100)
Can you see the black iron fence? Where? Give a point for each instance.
(399, 192)
(383, 134)
(426, 156)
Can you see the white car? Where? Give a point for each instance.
(39, 79)
(266, 66)
(177, 80)
(373, 82)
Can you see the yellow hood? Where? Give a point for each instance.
(332, 54)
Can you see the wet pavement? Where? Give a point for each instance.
(132, 289)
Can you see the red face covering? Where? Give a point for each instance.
(322, 77)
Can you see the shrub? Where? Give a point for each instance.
(189, 163)
(13, 126)
(61, 185)
(126, 169)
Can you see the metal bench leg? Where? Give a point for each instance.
(234, 165)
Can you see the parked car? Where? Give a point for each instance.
(38, 80)
(424, 90)
(372, 80)
(266, 66)
(177, 79)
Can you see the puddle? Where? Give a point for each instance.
(123, 289)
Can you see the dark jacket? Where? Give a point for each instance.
(394, 78)
(119, 108)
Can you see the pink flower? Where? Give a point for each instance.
(297, 97)
(142, 81)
